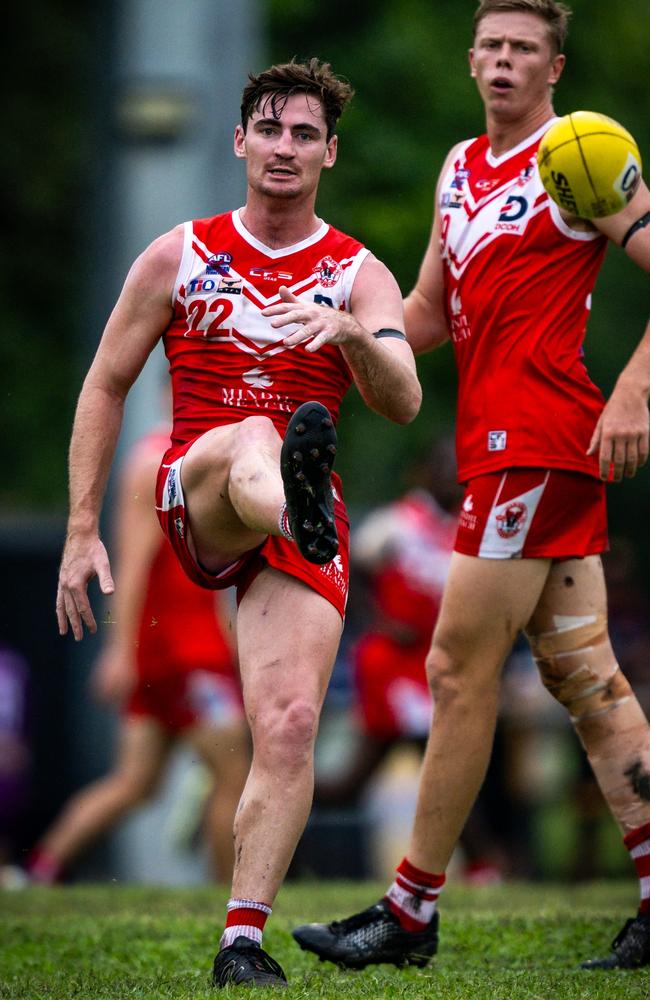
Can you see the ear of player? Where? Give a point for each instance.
(589, 164)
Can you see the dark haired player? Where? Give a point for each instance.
(261, 311)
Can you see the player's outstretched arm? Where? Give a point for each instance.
(383, 368)
(141, 314)
(621, 437)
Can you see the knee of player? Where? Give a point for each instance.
(578, 666)
(286, 730)
(257, 432)
(444, 674)
(138, 788)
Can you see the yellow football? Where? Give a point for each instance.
(589, 164)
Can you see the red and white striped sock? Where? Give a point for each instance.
(246, 918)
(638, 844)
(413, 896)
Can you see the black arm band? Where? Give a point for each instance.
(639, 224)
(387, 332)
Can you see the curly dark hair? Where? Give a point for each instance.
(276, 84)
(554, 13)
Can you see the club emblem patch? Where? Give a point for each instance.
(328, 270)
(512, 519)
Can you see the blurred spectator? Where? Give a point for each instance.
(168, 663)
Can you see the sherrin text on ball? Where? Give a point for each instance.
(589, 164)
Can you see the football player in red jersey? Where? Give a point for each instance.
(168, 663)
(507, 276)
(266, 313)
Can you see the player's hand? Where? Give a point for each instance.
(113, 677)
(621, 434)
(84, 557)
(320, 324)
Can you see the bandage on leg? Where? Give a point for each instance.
(577, 665)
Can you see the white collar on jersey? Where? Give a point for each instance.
(494, 161)
(281, 251)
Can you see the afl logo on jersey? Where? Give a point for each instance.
(459, 178)
(219, 263)
(328, 270)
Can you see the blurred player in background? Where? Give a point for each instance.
(169, 662)
(508, 277)
(400, 555)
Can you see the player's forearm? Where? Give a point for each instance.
(387, 382)
(426, 324)
(94, 437)
(635, 377)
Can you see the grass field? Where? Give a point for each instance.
(516, 942)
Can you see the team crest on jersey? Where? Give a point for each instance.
(219, 263)
(328, 270)
(512, 519)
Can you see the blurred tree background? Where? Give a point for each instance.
(407, 61)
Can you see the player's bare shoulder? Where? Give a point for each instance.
(374, 276)
(157, 266)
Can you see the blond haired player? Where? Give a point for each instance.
(508, 278)
(266, 313)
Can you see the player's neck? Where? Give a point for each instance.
(505, 134)
(279, 222)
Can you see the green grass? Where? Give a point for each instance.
(515, 942)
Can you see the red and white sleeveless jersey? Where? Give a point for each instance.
(518, 284)
(227, 361)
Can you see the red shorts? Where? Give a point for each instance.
(178, 702)
(330, 581)
(533, 513)
(393, 692)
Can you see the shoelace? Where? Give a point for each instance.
(260, 960)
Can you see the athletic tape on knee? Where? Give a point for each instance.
(578, 666)
(573, 633)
